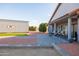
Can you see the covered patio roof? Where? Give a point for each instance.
(73, 14)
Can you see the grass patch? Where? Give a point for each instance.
(13, 34)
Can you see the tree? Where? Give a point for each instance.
(46, 24)
(32, 28)
(43, 27)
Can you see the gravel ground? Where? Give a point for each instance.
(28, 52)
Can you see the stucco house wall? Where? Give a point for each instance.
(13, 26)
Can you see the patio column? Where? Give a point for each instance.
(50, 28)
(54, 31)
(78, 29)
(69, 28)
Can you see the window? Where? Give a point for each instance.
(11, 26)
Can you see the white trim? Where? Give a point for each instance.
(54, 28)
(69, 28)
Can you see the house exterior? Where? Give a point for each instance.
(65, 21)
(13, 26)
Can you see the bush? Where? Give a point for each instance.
(32, 28)
(42, 27)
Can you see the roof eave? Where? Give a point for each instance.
(54, 12)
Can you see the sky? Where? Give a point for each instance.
(35, 13)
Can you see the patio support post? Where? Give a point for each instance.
(78, 29)
(69, 29)
(54, 28)
(50, 28)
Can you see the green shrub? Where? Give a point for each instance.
(32, 28)
(42, 27)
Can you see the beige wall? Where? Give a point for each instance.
(13, 26)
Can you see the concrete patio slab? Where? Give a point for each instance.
(65, 48)
(42, 40)
(60, 50)
(23, 51)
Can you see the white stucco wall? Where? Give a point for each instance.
(13, 26)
